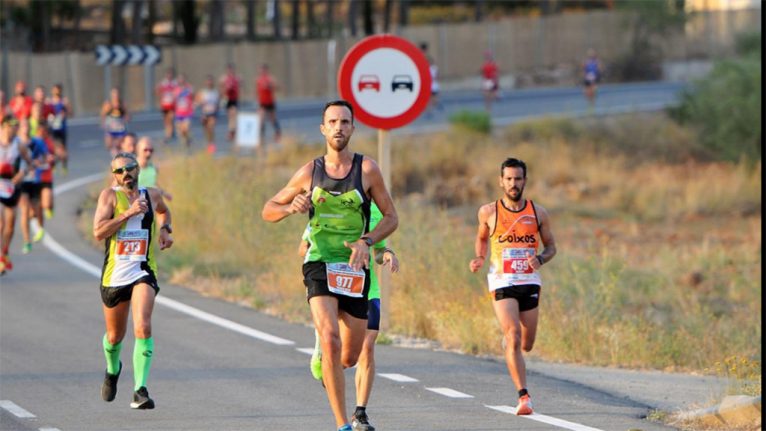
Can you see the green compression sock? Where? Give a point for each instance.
(142, 360)
(112, 354)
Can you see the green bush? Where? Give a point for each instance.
(477, 121)
(725, 108)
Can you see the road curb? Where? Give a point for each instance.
(733, 411)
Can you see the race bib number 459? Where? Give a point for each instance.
(343, 280)
(132, 245)
(515, 261)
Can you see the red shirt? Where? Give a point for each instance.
(167, 88)
(231, 86)
(489, 70)
(21, 107)
(265, 89)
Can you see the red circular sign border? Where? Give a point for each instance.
(368, 44)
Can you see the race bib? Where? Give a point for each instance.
(343, 280)
(515, 261)
(590, 76)
(132, 245)
(115, 124)
(167, 99)
(183, 104)
(6, 188)
(56, 121)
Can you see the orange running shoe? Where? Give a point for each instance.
(525, 406)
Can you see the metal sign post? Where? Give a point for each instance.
(384, 276)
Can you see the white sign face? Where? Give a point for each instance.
(385, 82)
(248, 129)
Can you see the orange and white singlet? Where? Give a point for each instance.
(512, 242)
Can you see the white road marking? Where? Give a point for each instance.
(545, 419)
(398, 377)
(307, 350)
(447, 392)
(15, 409)
(49, 429)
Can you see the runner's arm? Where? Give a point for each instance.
(374, 178)
(163, 218)
(104, 223)
(546, 235)
(481, 244)
(293, 198)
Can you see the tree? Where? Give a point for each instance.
(352, 13)
(277, 19)
(150, 20)
(187, 14)
(387, 9)
(404, 13)
(216, 26)
(647, 20)
(117, 32)
(311, 20)
(136, 22)
(367, 15)
(295, 19)
(250, 21)
(330, 17)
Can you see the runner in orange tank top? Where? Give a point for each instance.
(512, 228)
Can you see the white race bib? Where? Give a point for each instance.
(343, 280)
(132, 245)
(6, 188)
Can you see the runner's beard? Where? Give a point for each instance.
(130, 185)
(339, 144)
(518, 196)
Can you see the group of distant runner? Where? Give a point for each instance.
(178, 102)
(33, 140)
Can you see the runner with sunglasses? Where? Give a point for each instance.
(126, 218)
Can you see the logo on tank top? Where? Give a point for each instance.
(512, 237)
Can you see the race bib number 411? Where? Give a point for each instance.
(343, 280)
(132, 245)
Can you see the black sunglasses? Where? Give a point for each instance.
(127, 168)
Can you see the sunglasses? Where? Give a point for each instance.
(148, 150)
(127, 168)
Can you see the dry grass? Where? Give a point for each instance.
(659, 247)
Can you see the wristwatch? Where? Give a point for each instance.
(167, 227)
(367, 240)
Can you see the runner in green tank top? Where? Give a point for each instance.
(337, 190)
(365, 367)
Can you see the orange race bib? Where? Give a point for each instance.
(343, 280)
(132, 245)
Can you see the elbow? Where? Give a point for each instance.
(98, 236)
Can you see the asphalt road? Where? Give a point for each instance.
(221, 366)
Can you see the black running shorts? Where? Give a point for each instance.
(315, 279)
(111, 296)
(528, 295)
(12, 200)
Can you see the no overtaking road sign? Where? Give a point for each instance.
(120, 55)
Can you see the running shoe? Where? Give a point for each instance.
(39, 235)
(109, 387)
(8, 263)
(316, 364)
(525, 406)
(2, 265)
(27, 248)
(48, 213)
(360, 422)
(141, 399)
(346, 427)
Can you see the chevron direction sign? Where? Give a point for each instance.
(120, 55)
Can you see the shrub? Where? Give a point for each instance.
(477, 121)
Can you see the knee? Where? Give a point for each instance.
(142, 330)
(331, 344)
(513, 340)
(528, 345)
(349, 359)
(114, 338)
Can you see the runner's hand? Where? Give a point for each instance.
(360, 255)
(534, 263)
(476, 263)
(301, 203)
(390, 260)
(139, 206)
(165, 241)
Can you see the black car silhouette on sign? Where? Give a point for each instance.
(402, 81)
